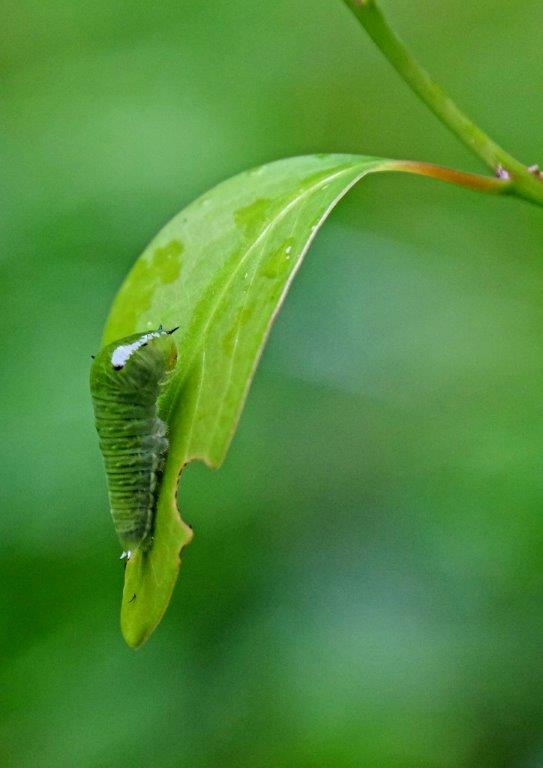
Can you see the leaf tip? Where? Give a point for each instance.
(146, 597)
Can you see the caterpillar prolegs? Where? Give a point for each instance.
(126, 380)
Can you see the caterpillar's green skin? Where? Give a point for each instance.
(126, 380)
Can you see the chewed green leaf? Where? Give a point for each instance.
(219, 270)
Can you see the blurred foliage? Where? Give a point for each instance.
(379, 604)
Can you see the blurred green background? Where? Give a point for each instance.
(365, 586)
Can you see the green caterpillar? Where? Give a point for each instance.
(126, 380)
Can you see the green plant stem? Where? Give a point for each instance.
(523, 183)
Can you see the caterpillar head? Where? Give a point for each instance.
(124, 350)
(131, 358)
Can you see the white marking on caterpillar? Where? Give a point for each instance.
(124, 352)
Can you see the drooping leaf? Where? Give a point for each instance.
(219, 270)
